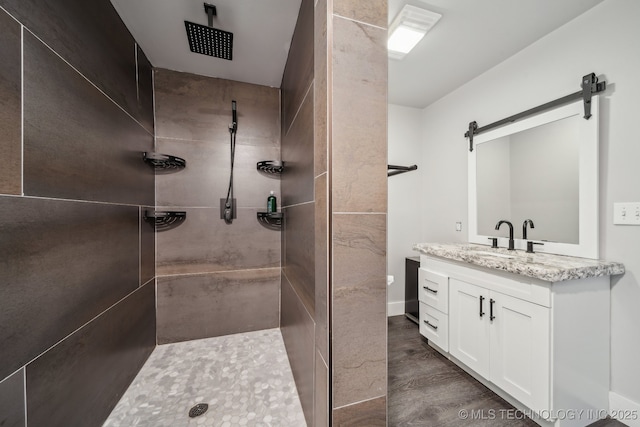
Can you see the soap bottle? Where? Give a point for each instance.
(272, 205)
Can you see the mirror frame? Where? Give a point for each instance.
(588, 240)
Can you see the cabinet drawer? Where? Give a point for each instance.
(433, 289)
(434, 326)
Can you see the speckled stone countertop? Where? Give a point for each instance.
(548, 267)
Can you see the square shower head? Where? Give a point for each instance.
(209, 41)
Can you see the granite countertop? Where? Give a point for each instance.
(548, 267)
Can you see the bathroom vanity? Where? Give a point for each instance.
(534, 328)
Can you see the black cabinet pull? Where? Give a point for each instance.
(491, 316)
(433, 291)
(434, 327)
(481, 303)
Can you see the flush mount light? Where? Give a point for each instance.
(408, 28)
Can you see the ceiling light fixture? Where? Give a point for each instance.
(408, 28)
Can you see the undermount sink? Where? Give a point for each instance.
(496, 254)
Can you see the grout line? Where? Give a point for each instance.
(298, 204)
(135, 55)
(90, 82)
(83, 325)
(361, 401)
(323, 173)
(27, 196)
(359, 213)
(259, 208)
(304, 98)
(140, 221)
(24, 385)
(202, 273)
(360, 22)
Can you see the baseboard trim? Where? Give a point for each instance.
(624, 410)
(395, 308)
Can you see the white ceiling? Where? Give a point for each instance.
(262, 32)
(471, 37)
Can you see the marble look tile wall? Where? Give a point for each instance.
(214, 278)
(298, 305)
(77, 319)
(358, 203)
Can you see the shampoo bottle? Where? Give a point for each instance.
(272, 205)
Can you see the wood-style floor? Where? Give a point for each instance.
(427, 390)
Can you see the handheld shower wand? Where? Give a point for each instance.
(229, 203)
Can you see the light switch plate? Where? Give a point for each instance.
(626, 213)
(458, 226)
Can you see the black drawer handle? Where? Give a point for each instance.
(491, 316)
(434, 327)
(433, 291)
(481, 304)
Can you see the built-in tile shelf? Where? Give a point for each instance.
(271, 167)
(271, 219)
(164, 162)
(164, 220)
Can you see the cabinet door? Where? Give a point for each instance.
(469, 335)
(520, 350)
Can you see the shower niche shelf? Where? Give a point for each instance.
(164, 220)
(271, 167)
(164, 162)
(271, 219)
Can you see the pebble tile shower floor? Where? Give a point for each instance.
(245, 379)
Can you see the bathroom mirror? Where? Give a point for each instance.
(543, 168)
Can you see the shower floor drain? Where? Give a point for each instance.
(198, 410)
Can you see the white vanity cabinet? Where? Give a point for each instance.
(543, 346)
(433, 295)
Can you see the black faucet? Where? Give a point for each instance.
(524, 228)
(502, 221)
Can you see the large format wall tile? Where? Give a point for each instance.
(372, 413)
(209, 305)
(321, 101)
(204, 243)
(91, 37)
(371, 11)
(199, 108)
(359, 142)
(12, 400)
(299, 258)
(298, 73)
(297, 155)
(147, 248)
(145, 90)
(62, 263)
(297, 332)
(359, 328)
(321, 266)
(79, 381)
(321, 401)
(77, 143)
(205, 180)
(10, 106)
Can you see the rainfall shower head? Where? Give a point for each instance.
(207, 40)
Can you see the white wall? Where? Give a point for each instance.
(403, 223)
(604, 40)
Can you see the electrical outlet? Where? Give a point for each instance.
(458, 226)
(626, 213)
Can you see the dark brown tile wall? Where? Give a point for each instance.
(66, 261)
(298, 73)
(298, 260)
(357, 93)
(321, 402)
(195, 306)
(10, 106)
(92, 37)
(321, 264)
(77, 143)
(73, 315)
(216, 278)
(372, 413)
(12, 400)
(297, 331)
(80, 380)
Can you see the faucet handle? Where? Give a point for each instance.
(494, 241)
(530, 246)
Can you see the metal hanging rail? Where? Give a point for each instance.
(397, 170)
(590, 86)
